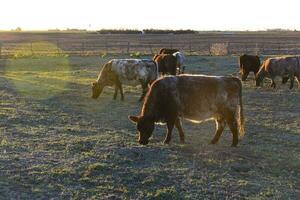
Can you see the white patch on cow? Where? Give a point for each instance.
(160, 123)
(179, 57)
(132, 71)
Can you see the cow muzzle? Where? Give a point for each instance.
(143, 142)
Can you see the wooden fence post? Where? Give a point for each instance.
(82, 48)
(150, 47)
(0, 50)
(57, 46)
(106, 48)
(31, 49)
(128, 47)
(256, 49)
(228, 49)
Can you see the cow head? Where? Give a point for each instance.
(106, 77)
(96, 90)
(259, 77)
(145, 128)
(155, 57)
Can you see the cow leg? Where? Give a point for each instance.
(220, 125)
(292, 78)
(182, 69)
(298, 80)
(145, 89)
(180, 130)
(245, 75)
(284, 80)
(232, 123)
(273, 83)
(170, 126)
(116, 92)
(119, 85)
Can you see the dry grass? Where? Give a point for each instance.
(63, 144)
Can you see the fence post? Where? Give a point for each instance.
(57, 46)
(128, 47)
(31, 49)
(82, 48)
(106, 48)
(209, 49)
(228, 49)
(256, 48)
(150, 47)
(0, 50)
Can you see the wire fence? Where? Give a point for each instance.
(149, 46)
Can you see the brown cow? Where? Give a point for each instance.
(167, 63)
(125, 71)
(167, 51)
(196, 98)
(285, 67)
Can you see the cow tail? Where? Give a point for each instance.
(241, 120)
(157, 70)
(240, 63)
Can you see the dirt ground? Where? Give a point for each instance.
(56, 142)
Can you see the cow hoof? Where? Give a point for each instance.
(166, 142)
(213, 142)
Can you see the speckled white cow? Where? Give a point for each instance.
(125, 71)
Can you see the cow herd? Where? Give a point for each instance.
(288, 68)
(197, 98)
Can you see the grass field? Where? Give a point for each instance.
(56, 142)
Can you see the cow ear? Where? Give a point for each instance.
(133, 119)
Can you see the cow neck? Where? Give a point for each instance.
(149, 109)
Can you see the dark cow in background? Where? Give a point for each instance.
(125, 71)
(248, 63)
(167, 63)
(196, 98)
(167, 51)
(285, 67)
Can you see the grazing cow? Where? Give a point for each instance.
(166, 63)
(180, 60)
(285, 67)
(167, 51)
(248, 63)
(128, 71)
(193, 97)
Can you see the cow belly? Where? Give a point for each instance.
(199, 116)
(133, 82)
